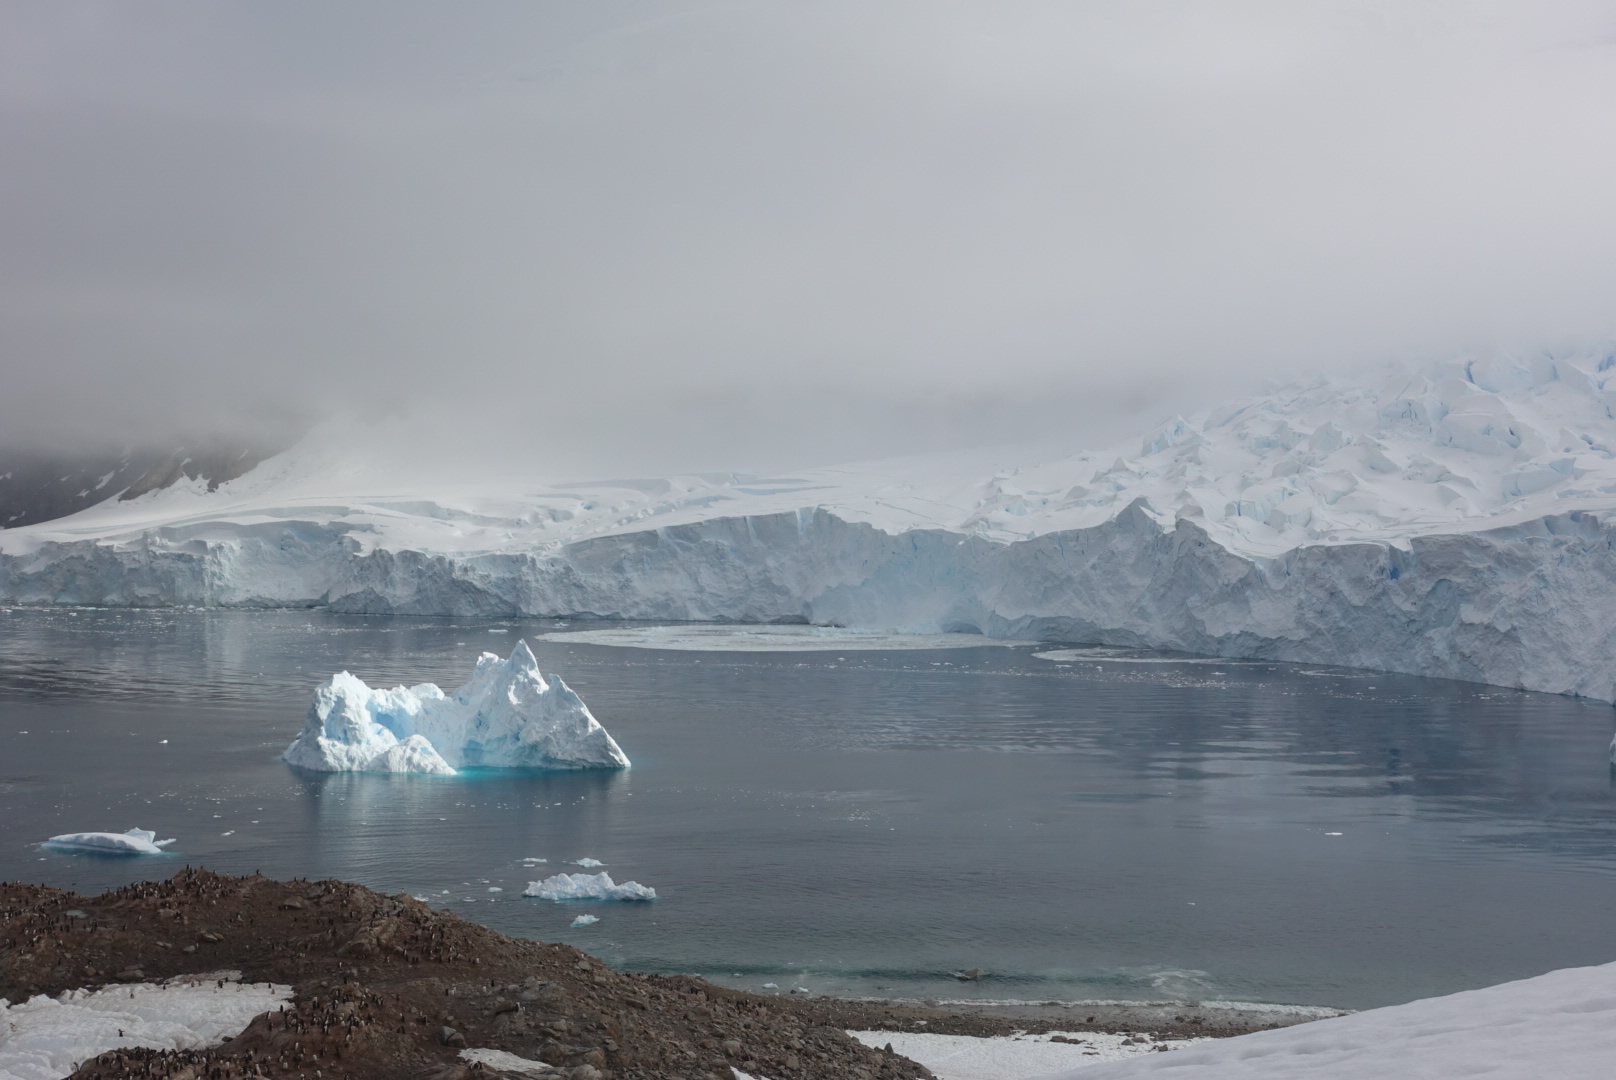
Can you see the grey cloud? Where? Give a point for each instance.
(634, 237)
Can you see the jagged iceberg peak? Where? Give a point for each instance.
(505, 716)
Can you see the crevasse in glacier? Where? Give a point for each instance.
(506, 716)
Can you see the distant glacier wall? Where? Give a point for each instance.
(1531, 606)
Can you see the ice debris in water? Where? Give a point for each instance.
(589, 862)
(506, 716)
(585, 920)
(133, 842)
(587, 887)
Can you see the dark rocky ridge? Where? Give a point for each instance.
(389, 987)
(36, 487)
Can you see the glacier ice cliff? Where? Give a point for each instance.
(505, 716)
(1456, 522)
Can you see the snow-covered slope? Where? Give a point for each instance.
(1560, 1025)
(1454, 522)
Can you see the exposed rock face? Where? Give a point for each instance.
(36, 487)
(387, 987)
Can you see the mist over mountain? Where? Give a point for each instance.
(628, 238)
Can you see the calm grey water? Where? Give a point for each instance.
(867, 822)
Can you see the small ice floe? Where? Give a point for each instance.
(133, 842)
(587, 887)
(969, 976)
(771, 986)
(534, 859)
(495, 888)
(585, 920)
(506, 1063)
(588, 862)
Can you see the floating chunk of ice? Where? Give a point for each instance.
(506, 716)
(585, 920)
(589, 862)
(786, 638)
(133, 842)
(587, 887)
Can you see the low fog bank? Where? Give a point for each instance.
(635, 238)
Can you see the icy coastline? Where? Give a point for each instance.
(506, 716)
(1456, 523)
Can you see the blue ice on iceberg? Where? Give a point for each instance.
(506, 716)
(133, 842)
(587, 887)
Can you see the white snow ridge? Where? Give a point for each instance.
(506, 716)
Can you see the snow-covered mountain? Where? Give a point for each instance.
(1455, 522)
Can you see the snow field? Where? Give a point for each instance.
(1012, 1057)
(46, 1038)
(1560, 1025)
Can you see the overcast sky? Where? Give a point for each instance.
(610, 237)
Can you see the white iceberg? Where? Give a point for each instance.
(591, 863)
(133, 842)
(587, 887)
(585, 920)
(506, 716)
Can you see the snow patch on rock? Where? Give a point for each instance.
(44, 1038)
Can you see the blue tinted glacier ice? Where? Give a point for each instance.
(133, 842)
(1455, 520)
(587, 887)
(506, 716)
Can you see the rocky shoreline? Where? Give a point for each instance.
(388, 987)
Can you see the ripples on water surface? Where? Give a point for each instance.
(1077, 822)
